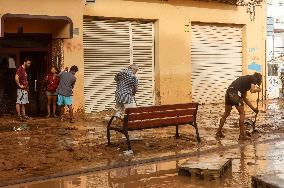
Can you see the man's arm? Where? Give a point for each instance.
(73, 84)
(62, 71)
(249, 103)
(18, 82)
(135, 85)
(254, 88)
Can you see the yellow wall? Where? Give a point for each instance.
(173, 67)
(172, 47)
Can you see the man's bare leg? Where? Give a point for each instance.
(48, 106)
(18, 109)
(54, 99)
(23, 110)
(72, 120)
(61, 111)
(241, 111)
(227, 112)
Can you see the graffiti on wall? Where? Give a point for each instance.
(71, 47)
(253, 60)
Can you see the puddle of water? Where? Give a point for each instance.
(248, 161)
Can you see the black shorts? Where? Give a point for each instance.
(232, 98)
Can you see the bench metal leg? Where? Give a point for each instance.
(127, 139)
(108, 129)
(177, 134)
(197, 133)
(108, 136)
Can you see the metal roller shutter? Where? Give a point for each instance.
(109, 46)
(143, 55)
(216, 56)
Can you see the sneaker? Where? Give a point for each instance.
(27, 117)
(21, 119)
(219, 134)
(61, 118)
(54, 116)
(48, 116)
(72, 120)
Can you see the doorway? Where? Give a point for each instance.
(13, 50)
(36, 76)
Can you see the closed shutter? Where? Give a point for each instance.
(216, 57)
(143, 56)
(109, 46)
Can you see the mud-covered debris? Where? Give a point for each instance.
(71, 128)
(23, 127)
(62, 132)
(150, 145)
(251, 163)
(128, 153)
(69, 148)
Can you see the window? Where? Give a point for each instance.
(272, 69)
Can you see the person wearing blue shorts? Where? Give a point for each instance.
(65, 91)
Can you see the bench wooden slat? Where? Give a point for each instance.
(140, 118)
(161, 114)
(136, 125)
(161, 108)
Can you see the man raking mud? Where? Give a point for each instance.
(236, 95)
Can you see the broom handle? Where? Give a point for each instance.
(256, 113)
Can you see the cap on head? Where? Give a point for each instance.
(258, 77)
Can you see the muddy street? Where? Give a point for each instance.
(248, 160)
(41, 148)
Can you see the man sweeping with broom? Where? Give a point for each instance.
(126, 88)
(236, 95)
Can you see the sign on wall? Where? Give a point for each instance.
(279, 23)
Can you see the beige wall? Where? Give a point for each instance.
(172, 50)
(172, 47)
(73, 47)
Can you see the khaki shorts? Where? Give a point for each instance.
(120, 108)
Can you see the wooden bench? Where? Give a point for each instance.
(140, 118)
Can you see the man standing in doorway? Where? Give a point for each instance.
(21, 79)
(126, 88)
(236, 95)
(65, 91)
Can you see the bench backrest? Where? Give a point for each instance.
(159, 116)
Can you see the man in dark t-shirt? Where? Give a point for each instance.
(236, 95)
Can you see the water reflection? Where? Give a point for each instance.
(248, 160)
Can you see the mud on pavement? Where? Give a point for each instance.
(43, 147)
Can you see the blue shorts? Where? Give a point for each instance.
(63, 100)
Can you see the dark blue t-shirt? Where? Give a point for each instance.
(243, 83)
(66, 84)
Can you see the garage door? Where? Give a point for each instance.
(216, 57)
(109, 46)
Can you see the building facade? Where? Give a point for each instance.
(275, 48)
(186, 50)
